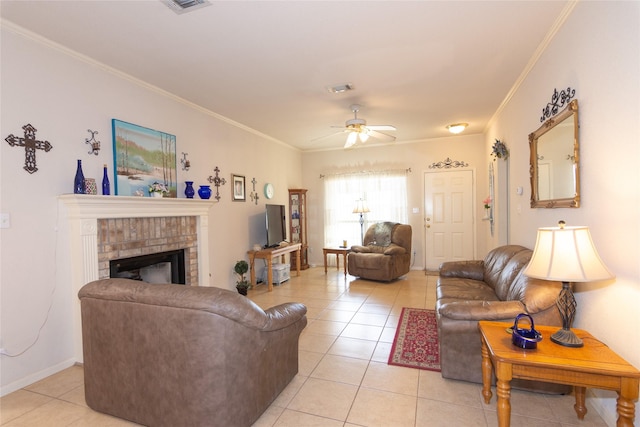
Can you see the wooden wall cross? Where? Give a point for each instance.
(30, 145)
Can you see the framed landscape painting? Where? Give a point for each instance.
(142, 157)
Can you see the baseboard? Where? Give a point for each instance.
(34, 378)
(605, 406)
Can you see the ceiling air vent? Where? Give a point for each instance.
(184, 6)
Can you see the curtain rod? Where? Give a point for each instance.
(408, 170)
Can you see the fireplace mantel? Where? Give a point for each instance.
(89, 206)
(78, 228)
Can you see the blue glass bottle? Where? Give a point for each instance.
(78, 182)
(106, 186)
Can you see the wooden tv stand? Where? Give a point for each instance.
(269, 254)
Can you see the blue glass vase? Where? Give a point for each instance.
(204, 192)
(189, 191)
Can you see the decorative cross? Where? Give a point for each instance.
(30, 145)
(254, 195)
(217, 181)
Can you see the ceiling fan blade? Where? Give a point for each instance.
(382, 136)
(381, 127)
(322, 138)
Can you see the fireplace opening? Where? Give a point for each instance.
(162, 267)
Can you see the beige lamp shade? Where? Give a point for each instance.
(566, 254)
(361, 207)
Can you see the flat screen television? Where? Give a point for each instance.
(276, 221)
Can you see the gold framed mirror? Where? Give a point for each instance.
(555, 162)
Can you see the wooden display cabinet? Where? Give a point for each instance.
(298, 224)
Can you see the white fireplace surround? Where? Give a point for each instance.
(78, 227)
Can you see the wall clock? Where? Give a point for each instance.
(268, 190)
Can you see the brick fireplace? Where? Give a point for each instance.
(94, 230)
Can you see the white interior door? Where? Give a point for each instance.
(448, 221)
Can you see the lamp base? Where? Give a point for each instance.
(567, 338)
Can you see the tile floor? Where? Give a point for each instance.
(344, 379)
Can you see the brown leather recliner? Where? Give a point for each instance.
(175, 355)
(385, 254)
(490, 289)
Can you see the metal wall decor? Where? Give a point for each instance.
(558, 100)
(95, 145)
(186, 163)
(448, 164)
(30, 144)
(217, 182)
(254, 196)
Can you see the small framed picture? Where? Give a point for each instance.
(239, 194)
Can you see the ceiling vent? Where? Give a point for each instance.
(341, 88)
(184, 6)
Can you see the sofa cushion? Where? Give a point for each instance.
(496, 260)
(481, 310)
(464, 289)
(509, 273)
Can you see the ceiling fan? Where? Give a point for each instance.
(359, 132)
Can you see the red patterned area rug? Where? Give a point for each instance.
(416, 342)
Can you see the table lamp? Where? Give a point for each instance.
(566, 254)
(361, 208)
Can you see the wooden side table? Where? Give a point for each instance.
(269, 254)
(594, 365)
(337, 251)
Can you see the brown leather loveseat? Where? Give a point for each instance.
(491, 289)
(385, 254)
(175, 355)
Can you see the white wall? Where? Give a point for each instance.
(418, 157)
(596, 52)
(63, 96)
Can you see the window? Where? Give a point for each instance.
(385, 193)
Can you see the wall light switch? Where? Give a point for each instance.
(5, 220)
(416, 210)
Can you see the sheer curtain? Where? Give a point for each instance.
(385, 193)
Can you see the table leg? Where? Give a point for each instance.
(345, 264)
(252, 270)
(504, 374)
(338, 262)
(270, 273)
(486, 373)
(324, 254)
(626, 396)
(580, 407)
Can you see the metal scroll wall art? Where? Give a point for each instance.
(30, 144)
(448, 164)
(95, 145)
(217, 182)
(558, 100)
(186, 163)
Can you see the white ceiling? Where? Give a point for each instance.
(417, 65)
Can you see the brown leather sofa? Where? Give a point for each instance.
(491, 289)
(385, 254)
(175, 355)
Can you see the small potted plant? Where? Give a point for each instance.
(242, 285)
(157, 190)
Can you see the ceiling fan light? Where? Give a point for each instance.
(351, 139)
(363, 135)
(457, 127)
